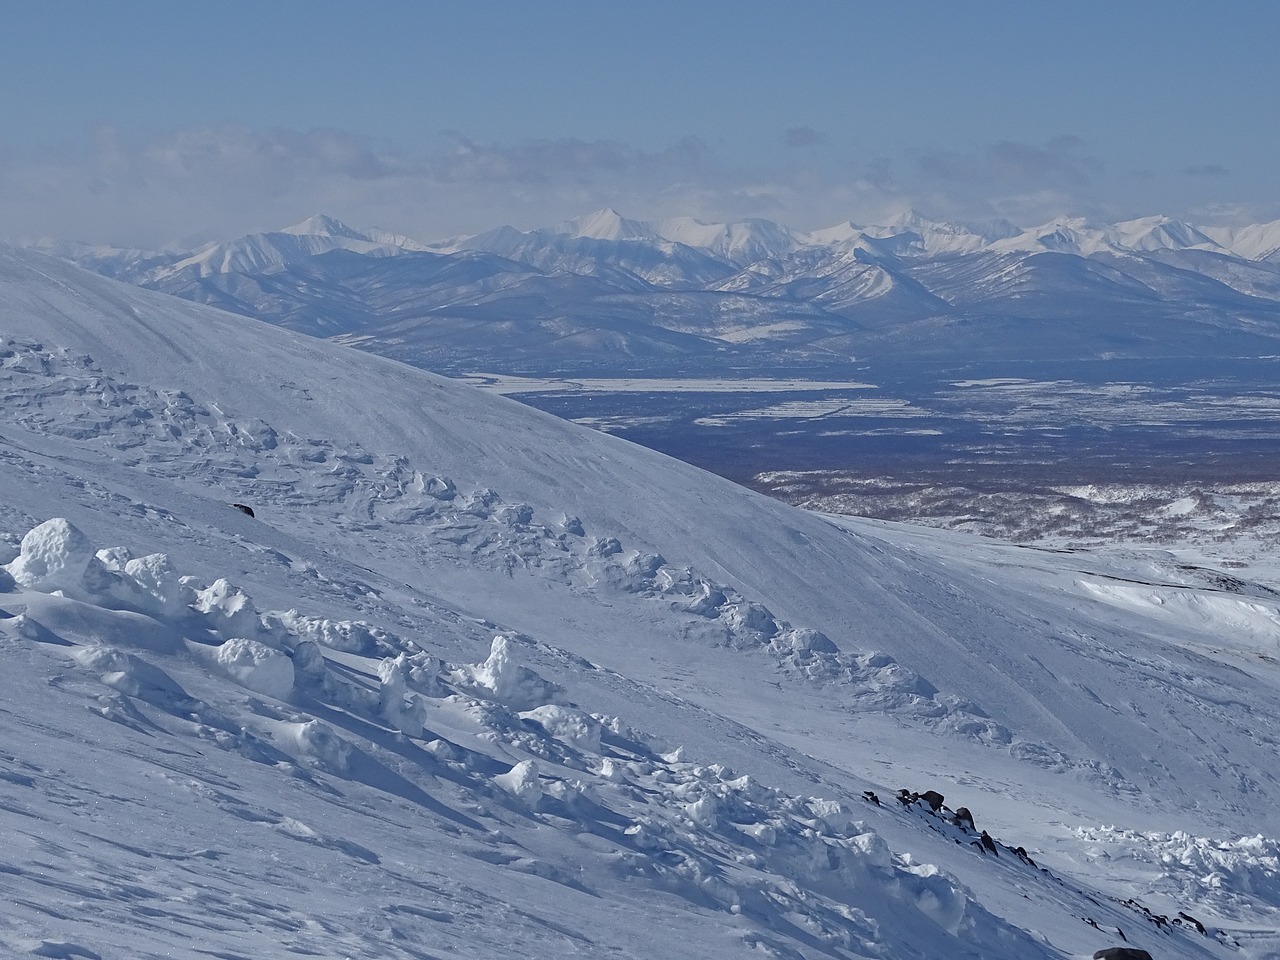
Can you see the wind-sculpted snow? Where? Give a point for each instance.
(475, 526)
(1183, 868)
(701, 833)
(474, 681)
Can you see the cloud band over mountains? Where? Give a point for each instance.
(204, 181)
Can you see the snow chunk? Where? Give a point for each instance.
(511, 683)
(750, 618)
(349, 636)
(521, 781)
(577, 729)
(54, 556)
(604, 547)
(159, 581)
(255, 665)
(229, 610)
(937, 896)
(318, 742)
(308, 664)
(832, 813)
(804, 640)
(441, 488)
(402, 709)
(704, 811)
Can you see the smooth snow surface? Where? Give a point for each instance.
(477, 682)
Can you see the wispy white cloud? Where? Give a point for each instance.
(213, 182)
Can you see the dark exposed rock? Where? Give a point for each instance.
(1192, 920)
(933, 798)
(963, 818)
(1122, 953)
(988, 844)
(243, 508)
(870, 797)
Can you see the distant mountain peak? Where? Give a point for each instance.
(606, 224)
(321, 225)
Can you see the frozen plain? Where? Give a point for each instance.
(476, 681)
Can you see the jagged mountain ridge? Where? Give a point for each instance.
(608, 291)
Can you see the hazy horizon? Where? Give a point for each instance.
(143, 124)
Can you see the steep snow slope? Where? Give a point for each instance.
(349, 764)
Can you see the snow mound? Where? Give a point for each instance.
(317, 742)
(504, 679)
(133, 676)
(229, 610)
(257, 666)
(522, 782)
(569, 725)
(53, 556)
(350, 636)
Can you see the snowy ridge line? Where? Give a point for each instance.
(70, 395)
(174, 436)
(699, 832)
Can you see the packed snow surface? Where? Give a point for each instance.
(473, 681)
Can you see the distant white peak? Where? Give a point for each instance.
(847, 232)
(322, 226)
(1257, 241)
(742, 241)
(912, 220)
(504, 236)
(993, 230)
(389, 239)
(451, 244)
(691, 232)
(1161, 233)
(1060, 235)
(606, 224)
(912, 234)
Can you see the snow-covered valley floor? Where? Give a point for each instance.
(476, 682)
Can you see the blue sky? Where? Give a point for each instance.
(141, 122)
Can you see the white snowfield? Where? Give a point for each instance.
(477, 682)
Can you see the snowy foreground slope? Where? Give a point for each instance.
(477, 682)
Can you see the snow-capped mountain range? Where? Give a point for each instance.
(309, 652)
(606, 292)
